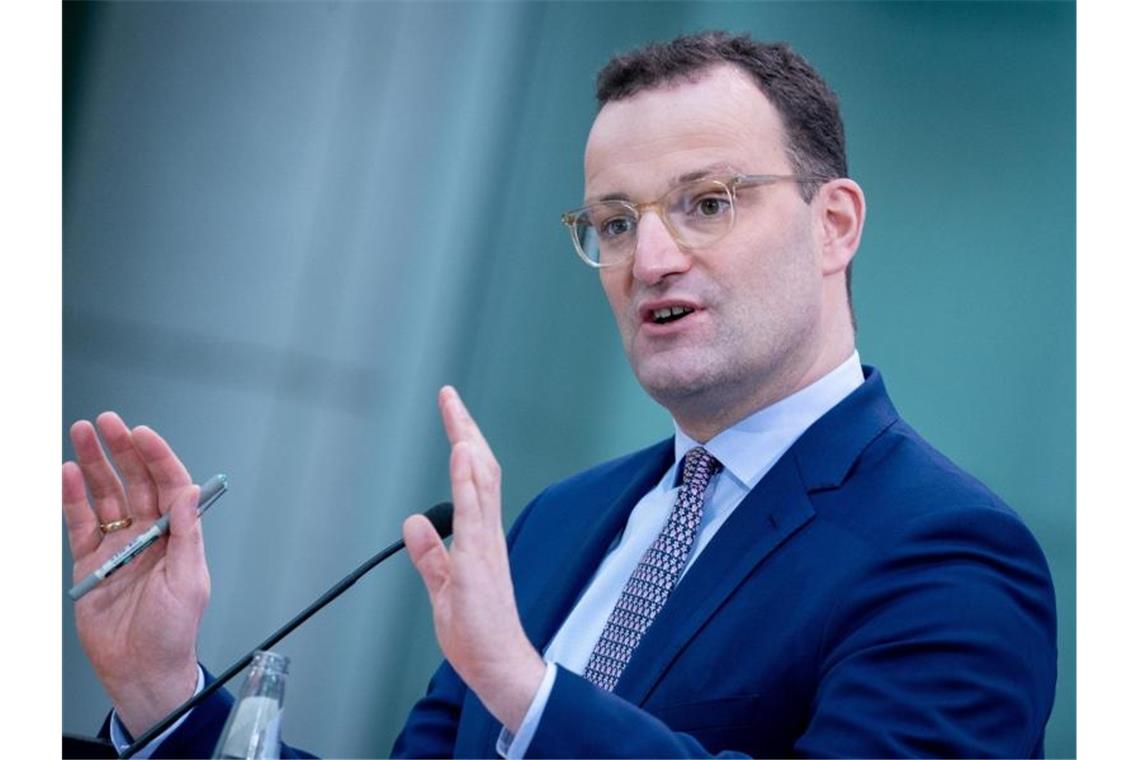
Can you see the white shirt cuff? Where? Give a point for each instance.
(515, 746)
(119, 732)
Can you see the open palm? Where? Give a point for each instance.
(139, 627)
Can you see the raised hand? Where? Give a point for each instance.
(472, 597)
(139, 627)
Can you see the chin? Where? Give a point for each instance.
(672, 385)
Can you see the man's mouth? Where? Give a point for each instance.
(669, 314)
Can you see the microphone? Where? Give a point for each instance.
(440, 518)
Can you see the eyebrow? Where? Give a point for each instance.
(717, 168)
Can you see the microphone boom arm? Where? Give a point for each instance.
(440, 517)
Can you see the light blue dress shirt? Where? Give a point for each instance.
(747, 450)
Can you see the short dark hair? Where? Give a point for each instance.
(808, 108)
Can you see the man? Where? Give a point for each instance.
(796, 572)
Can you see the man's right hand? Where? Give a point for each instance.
(139, 627)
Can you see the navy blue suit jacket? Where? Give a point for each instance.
(866, 599)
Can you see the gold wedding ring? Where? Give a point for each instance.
(115, 525)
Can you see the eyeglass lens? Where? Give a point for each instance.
(697, 214)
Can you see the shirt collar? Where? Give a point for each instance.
(749, 448)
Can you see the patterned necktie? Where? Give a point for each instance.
(655, 575)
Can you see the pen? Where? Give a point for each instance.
(211, 492)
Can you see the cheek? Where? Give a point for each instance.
(790, 254)
(762, 270)
(773, 279)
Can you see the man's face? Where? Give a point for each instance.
(755, 294)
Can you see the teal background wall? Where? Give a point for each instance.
(285, 225)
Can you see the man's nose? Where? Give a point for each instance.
(656, 254)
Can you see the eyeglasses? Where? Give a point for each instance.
(697, 214)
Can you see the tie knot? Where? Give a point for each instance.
(698, 467)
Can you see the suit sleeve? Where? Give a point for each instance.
(946, 647)
(582, 720)
(941, 644)
(432, 725)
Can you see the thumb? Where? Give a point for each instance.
(428, 553)
(185, 552)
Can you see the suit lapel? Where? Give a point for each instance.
(771, 512)
(775, 509)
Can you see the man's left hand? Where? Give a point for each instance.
(472, 598)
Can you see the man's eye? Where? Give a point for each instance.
(711, 205)
(615, 227)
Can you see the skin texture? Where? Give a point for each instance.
(771, 303)
(138, 627)
(771, 318)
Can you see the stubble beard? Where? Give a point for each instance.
(723, 379)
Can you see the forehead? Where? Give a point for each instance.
(642, 144)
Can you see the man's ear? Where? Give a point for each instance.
(841, 210)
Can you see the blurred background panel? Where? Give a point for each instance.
(287, 224)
